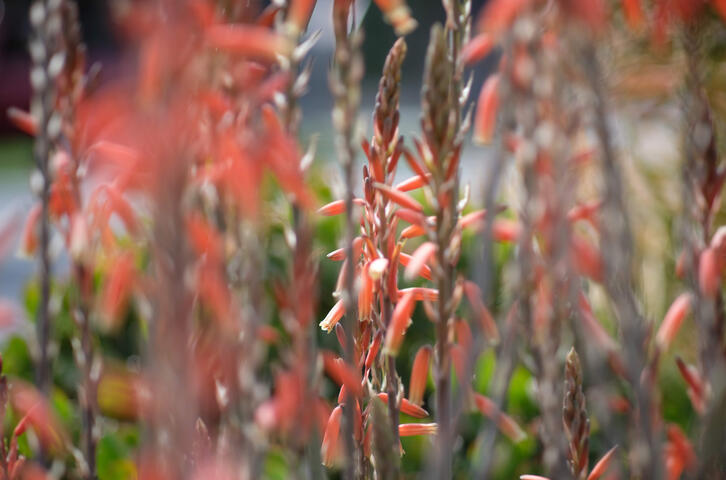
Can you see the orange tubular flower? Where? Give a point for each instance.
(709, 272)
(411, 216)
(419, 375)
(412, 231)
(333, 317)
(602, 465)
(406, 407)
(341, 373)
(418, 259)
(397, 13)
(365, 294)
(330, 449)
(473, 219)
(373, 350)
(673, 320)
(413, 183)
(397, 196)
(425, 270)
(486, 110)
(400, 321)
(478, 48)
(420, 294)
(411, 429)
(337, 207)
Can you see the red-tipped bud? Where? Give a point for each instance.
(473, 219)
(337, 207)
(696, 386)
(406, 407)
(586, 258)
(673, 320)
(341, 373)
(425, 270)
(477, 48)
(340, 334)
(373, 350)
(411, 429)
(602, 465)
(330, 449)
(709, 272)
(333, 317)
(420, 294)
(412, 231)
(419, 258)
(486, 110)
(413, 183)
(398, 197)
(400, 321)
(419, 375)
(411, 216)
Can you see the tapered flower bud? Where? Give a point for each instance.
(411, 429)
(602, 465)
(420, 294)
(397, 196)
(407, 407)
(477, 48)
(419, 375)
(400, 320)
(673, 320)
(330, 450)
(413, 183)
(419, 259)
(486, 111)
(709, 272)
(424, 271)
(334, 316)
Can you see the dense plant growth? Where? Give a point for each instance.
(455, 330)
